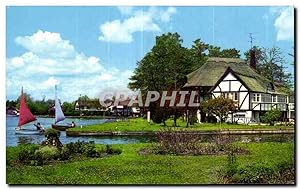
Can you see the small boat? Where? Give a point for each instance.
(59, 116)
(25, 117)
(29, 132)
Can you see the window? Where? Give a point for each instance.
(235, 96)
(266, 98)
(274, 98)
(281, 98)
(255, 97)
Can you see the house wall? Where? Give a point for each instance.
(230, 84)
(247, 110)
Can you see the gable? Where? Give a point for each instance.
(229, 82)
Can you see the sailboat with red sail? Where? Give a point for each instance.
(25, 116)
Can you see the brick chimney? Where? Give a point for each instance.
(252, 59)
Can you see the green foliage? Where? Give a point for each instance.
(26, 153)
(133, 168)
(69, 108)
(165, 67)
(271, 116)
(219, 106)
(215, 51)
(141, 125)
(37, 156)
(50, 132)
(259, 172)
(45, 154)
(88, 149)
(112, 150)
(11, 103)
(64, 153)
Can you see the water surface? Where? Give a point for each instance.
(13, 139)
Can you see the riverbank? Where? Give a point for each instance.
(79, 117)
(131, 167)
(139, 126)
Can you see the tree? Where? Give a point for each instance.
(198, 53)
(215, 51)
(11, 103)
(270, 64)
(219, 106)
(164, 67)
(69, 108)
(271, 116)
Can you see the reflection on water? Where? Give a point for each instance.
(25, 140)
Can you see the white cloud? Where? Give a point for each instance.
(49, 83)
(118, 31)
(125, 10)
(46, 44)
(105, 76)
(39, 71)
(166, 15)
(284, 22)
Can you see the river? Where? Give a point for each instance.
(13, 139)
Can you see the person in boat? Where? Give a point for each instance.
(73, 124)
(39, 127)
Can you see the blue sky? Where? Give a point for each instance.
(86, 50)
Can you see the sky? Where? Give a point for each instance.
(89, 50)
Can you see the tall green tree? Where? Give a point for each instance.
(198, 53)
(163, 68)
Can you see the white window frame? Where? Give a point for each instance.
(274, 97)
(256, 97)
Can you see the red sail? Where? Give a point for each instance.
(25, 115)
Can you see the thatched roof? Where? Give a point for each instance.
(209, 74)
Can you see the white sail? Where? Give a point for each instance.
(59, 115)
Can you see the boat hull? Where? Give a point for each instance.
(29, 132)
(61, 127)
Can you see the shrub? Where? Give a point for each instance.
(111, 150)
(219, 106)
(64, 154)
(282, 172)
(52, 133)
(222, 141)
(271, 116)
(88, 149)
(46, 153)
(26, 153)
(176, 142)
(76, 147)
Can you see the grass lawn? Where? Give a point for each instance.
(131, 168)
(140, 124)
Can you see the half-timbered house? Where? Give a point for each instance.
(234, 78)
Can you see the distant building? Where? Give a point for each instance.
(123, 109)
(10, 111)
(233, 78)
